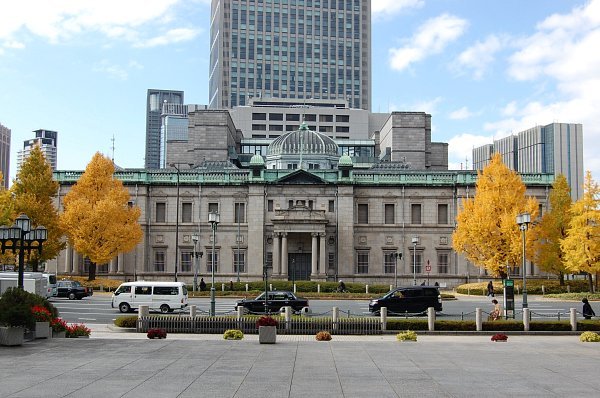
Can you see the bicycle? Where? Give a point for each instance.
(340, 290)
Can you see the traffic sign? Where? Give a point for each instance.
(428, 267)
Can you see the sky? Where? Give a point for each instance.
(482, 69)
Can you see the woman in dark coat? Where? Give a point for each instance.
(588, 312)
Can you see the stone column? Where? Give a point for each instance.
(276, 255)
(112, 266)
(314, 253)
(75, 263)
(68, 259)
(284, 254)
(120, 263)
(322, 256)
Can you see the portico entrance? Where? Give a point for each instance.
(299, 266)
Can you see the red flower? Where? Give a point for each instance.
(157, 334)
(41, 314)
(78, 329)
(266, 321)
(58, 325)
(499, 337)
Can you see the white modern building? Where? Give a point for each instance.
(47, 141)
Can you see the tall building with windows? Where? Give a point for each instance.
(154, 113)
(298, 49)
(4, 154)
(47, 140)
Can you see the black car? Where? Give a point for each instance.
(276, 300)
(412, 300)
(72, 290)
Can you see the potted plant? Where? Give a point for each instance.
(157, 333)
(15, 317)
(42, 321)
(499, 337)
(267, 329)
(78, 330)
(59, 328)
(233, 334)
(323, 336)
(407, 335)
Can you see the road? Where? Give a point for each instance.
(97, 309)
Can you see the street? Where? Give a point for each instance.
(97, 309)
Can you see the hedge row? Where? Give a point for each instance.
(534, 286)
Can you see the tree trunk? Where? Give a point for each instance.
(34, 262)
(92, 271)
(561, 278)
(591, 283)
(596, 286)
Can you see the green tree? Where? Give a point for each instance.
(487, 233)
(546, 235)
(33, 191)
(581, 247)
(97, 217)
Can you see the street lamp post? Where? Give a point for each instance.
(176, 223)
(523, 220)
(195, 239)
(238, 240)
(397, 256)
(415, 242)
(21, 238)
(213, 219)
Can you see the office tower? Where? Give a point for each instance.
(556, 148)
(154, 105)
(290, 49)
(4, 154)
(47, 140)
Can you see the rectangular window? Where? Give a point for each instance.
(259, 116)
(143, 290)
(442, 214)
(415, 212)
(186, 212)
(161, 212)
(362, 262)
(331, 262)
(269, 205)
(331, 206)
(342, 118)
(213, 207)
(290, 204)
(326, 118)
(363, 213)
(443, 263)
(415, 262)
(294, 117)
(239, 213)
(209, 260)
(389, 262)
(275, 116)
(159, 261)
(269, 263)
(239, 261)
(389, 214)
(186, 261)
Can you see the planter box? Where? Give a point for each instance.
(267, 334)
(42, 330)
(11, 336)
(59, 335)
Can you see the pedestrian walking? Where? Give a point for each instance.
(490, 289)
(231, 285)
(496, 312)
(202, 285)
(588, 312)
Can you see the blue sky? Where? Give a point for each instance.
(483, 69)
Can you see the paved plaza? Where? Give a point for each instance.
(129, 365)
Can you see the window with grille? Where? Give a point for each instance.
(362, 262)
(443, 263)
(209, 260)
(269, 205)
(416, 262)
(160, 211)
(159, 261)
(239, 261)
(363, 213)
(389, 262)
(389, 214)
(186, 212)
(415, 212)
(186, 261)
(331, 261)
(240, 213)
(213, 207)
(331, 206)
(269, 262)
(442, 214)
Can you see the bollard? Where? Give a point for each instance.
(270, 286)
(143, 310)
(222, 287)
(240, 312)
(294, 288)
(468, 291)
(336, 317)
(526, 319)
(383, 314)
(391, 287)
(367, 289)
(246, 287)
(543, 290)
(288, 317)
(319, 288)
(462, 316)
(568, 288)
(517, 287)
(573, 319)
(193, 311)
(431, 319)
(478, 320)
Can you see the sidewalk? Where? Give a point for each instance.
(113, 364)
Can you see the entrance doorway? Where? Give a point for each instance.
(299, 266)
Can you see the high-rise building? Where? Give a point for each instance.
(47, 140)
(553, 149)
(154, 105)
(290, 49)
(4, 154)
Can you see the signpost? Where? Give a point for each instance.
(509, 298)
(428, 270)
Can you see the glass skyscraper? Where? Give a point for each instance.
(154, 103)
(290, 49)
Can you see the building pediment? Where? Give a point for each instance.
(301, 177)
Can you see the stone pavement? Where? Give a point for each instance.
(129, 365)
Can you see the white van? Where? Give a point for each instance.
(162, 296)
(34, 282)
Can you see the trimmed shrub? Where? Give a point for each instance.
(126, 321)
(455, 325)
(592, 325)
(157, 333)
(407, 335)
(534, 286)
(404, 324)
(323, 336)
(499, 337)
(233, 334)
(502, 325)
(589, 337)
(550, 326)
(16, 307)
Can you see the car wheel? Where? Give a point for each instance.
(164, 308)
(71, 296)
(124, 307)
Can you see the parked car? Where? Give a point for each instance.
(276, 300)
(161, 296)
(72, 290)
(412, 300)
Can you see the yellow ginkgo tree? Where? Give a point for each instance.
(97, 217)
(582, 244)
(486, 232)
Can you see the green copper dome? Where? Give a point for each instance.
(257, 160)
(345, 160)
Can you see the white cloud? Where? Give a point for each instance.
(112, 70)
(480, 55)
(171, 36)
(431, 38)
(385, 8)
(461, 114)
(460, 149)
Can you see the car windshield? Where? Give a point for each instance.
(75, 284)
